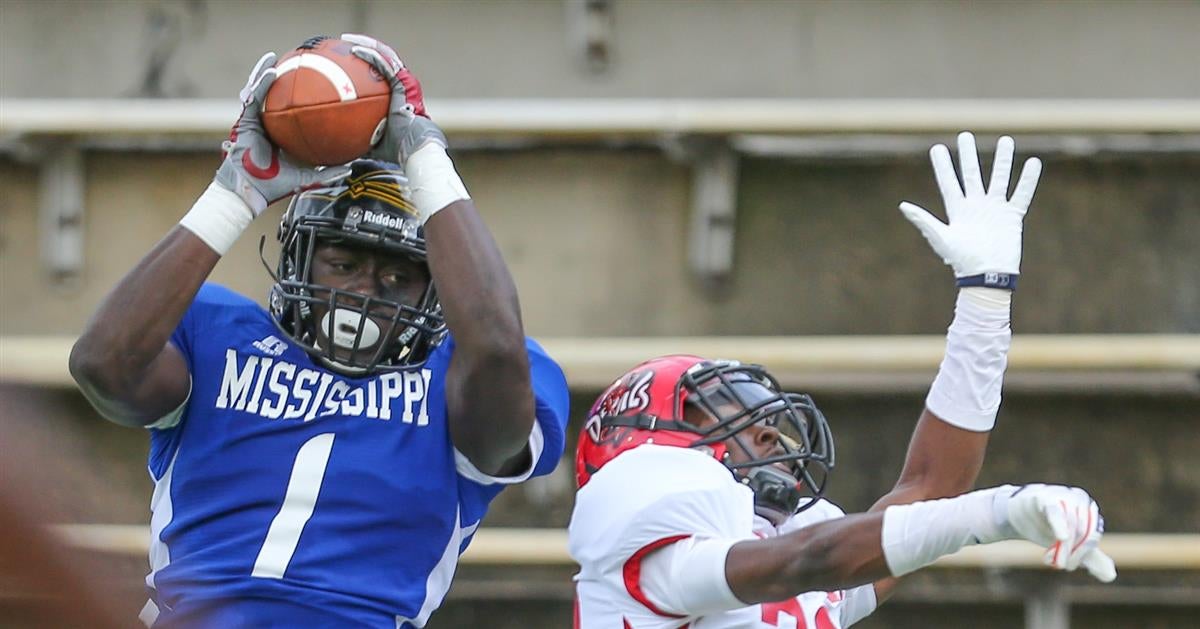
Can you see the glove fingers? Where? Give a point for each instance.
(1028, 182)
(250, 122)
(943, 171)
(1100, 565)
(370, 42)
(361, 40)
(399, 103)
(929, 225)
(1056, 517)
(968, 160)
(1055, 556)
(372, 56)
(1001, 168)
(258, 94)
(264, 63)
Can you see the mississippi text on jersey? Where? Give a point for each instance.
(289, 495)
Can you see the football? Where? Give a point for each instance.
(326, 105)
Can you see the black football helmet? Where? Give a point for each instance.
(366, 208)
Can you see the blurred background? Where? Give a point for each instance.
(711, 176)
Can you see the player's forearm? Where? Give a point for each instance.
(492, 409)
(477, 293)
(950, 441)
(130, 328)
(864, 548)
(827, 556)
(943, 460)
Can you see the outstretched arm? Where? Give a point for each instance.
(982, 242)
(866, 547)
(124, 361)
(489, 395)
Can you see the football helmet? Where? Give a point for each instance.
(646, 405)
(366, 208)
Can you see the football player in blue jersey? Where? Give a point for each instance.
(324, 463)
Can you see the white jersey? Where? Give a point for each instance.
(656, 498)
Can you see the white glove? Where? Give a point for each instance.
(1065, 521)
(982, 241)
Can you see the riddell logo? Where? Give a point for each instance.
(383, 220)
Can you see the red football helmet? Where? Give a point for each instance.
(646, 405)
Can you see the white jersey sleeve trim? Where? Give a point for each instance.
(468, 470)
(171, 420)
(687, 578)
(149, 614)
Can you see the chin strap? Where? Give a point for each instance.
(775, 492)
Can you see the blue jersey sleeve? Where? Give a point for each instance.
(212, 307)
(553, 406)
(551, 409)
(552, 399)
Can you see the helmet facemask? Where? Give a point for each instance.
(736, 397)
(363, 333)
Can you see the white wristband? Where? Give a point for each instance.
(433, 180)
(966, 391)
(218, 217)
(916, 535)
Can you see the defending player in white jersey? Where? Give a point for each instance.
(324, 463)
(701, 481)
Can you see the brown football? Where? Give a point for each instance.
(326, 104)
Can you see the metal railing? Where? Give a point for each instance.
(589, 118)
(1112, 363)
(1046, 607)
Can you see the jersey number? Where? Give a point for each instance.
(298, 505)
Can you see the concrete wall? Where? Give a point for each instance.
(596, 237)
(597, 242)
(708, 48)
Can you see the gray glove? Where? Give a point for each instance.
(408, 126)
(253, 168)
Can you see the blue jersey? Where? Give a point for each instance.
(287, 495)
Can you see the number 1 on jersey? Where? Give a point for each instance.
(298, 504)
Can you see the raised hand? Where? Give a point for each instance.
(408, 126)
(1064, 520)
(982, 240)
(253, 168)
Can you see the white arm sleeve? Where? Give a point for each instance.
(966, 391)
(857, 604)
(688, 577)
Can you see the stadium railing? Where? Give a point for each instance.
(54, 133)
(581, 118)
(1112, 363)
(1046, 607)
(534, 546)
